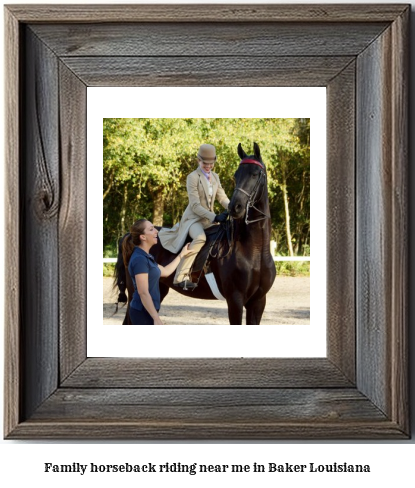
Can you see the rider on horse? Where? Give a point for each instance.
(203, 187)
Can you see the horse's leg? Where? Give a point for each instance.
(127, 320)
(254, 310)
(235, 309)
(164, 289)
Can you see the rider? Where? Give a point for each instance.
(203, 187)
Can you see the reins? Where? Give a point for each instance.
(225, 227)
(252, 197)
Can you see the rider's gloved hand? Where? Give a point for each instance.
(221, 217)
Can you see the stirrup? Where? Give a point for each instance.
(186, 285)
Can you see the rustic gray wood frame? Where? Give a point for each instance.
(53, 53)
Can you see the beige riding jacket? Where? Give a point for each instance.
(200, 209)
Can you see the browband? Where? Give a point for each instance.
(251, 161)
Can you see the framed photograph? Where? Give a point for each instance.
(359, 390)
(275, 117)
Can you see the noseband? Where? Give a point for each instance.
(252, 197)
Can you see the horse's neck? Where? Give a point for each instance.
(263, 212)
(258, 233)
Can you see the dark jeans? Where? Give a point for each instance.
(140, 317)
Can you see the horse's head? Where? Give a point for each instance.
(250, 183)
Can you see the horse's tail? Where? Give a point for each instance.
(120, 275)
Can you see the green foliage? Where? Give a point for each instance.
(110, 250)
(146, 162)
(108, 270)
(292, 268)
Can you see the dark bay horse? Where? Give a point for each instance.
(246, 273)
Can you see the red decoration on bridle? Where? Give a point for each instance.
(251, 161)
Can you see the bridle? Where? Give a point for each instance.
(252, 197)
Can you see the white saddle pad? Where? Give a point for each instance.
(210, 278)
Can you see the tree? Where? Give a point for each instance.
(146, 162)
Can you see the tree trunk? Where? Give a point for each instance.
(287, 212)
(109, 185)
(124, 210)
(158, 209)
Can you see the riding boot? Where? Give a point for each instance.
(186, 263)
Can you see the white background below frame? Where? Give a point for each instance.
(210, 340)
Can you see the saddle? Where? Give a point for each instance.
(218, 245)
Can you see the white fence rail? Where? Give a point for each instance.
(273, 247)
(291, 258)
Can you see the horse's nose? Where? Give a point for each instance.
(236, 210)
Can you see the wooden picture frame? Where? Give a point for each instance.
(360, 53)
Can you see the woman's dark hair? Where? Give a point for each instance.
(132, 239)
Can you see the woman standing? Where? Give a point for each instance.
(203, 187)
(145, 272)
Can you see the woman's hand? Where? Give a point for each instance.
(158, 321)
(221, 217)
(185, 250)
(171, 267)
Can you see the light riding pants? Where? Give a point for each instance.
(197, 233)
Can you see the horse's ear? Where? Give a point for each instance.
(257, 152)
(242, 154)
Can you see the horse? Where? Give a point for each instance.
(246, 272)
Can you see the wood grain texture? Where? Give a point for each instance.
(213, 431)
(373, 221)
(13, 383)
(400, 246)
(199, 71)
(341, 235)
(209, 405)
(206, 373)
(72, 222)
(382, 222)
(39, 255)
(207, 399)
(205, 13)
(225, 39)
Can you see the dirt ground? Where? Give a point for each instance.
(288, 302)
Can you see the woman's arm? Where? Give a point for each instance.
(171, 267)
(220, 193)
(141, 281)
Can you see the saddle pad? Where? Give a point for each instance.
(210, 278)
